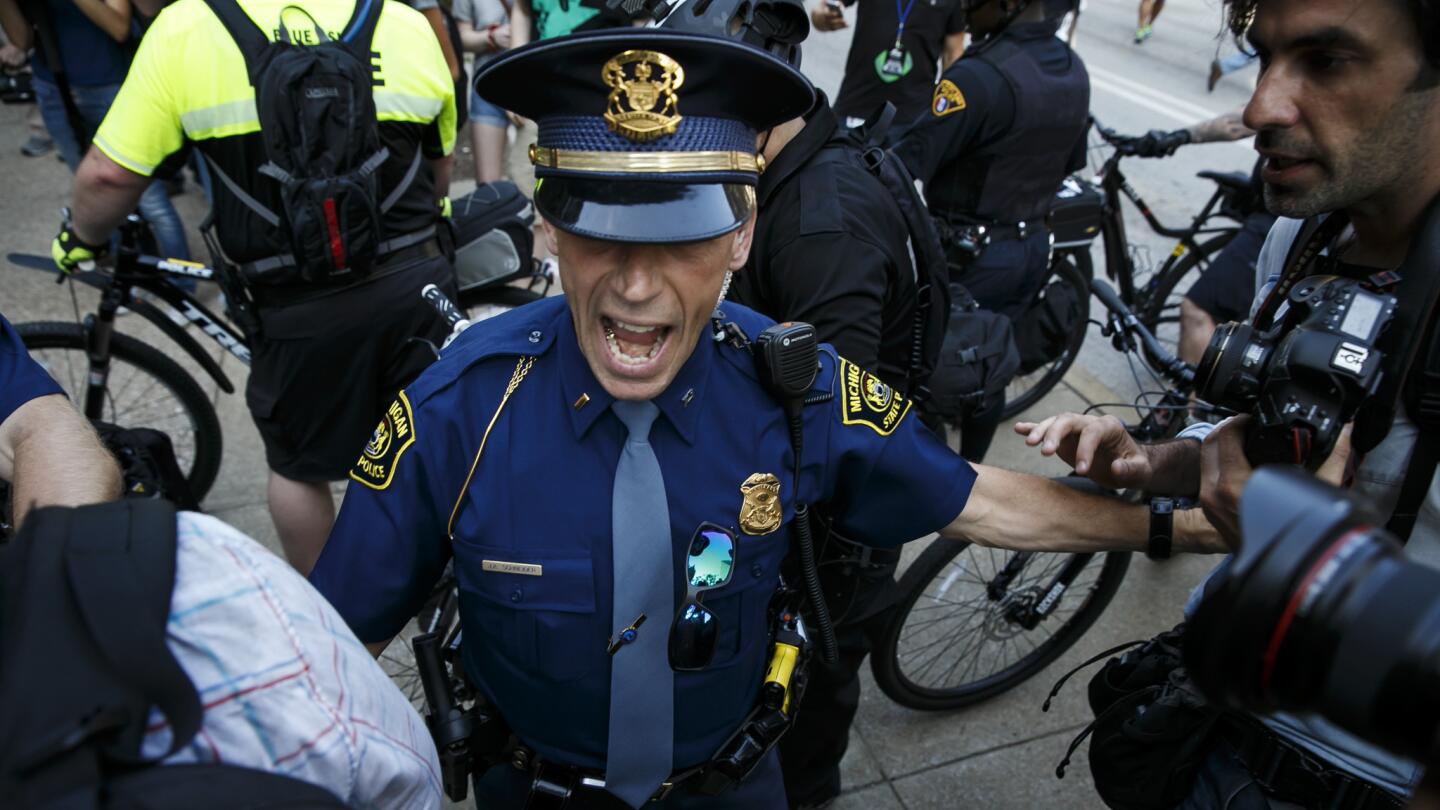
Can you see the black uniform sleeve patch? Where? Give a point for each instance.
(865, 400)
(947, 99)
(392, 437)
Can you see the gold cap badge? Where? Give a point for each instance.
(760, 511)
(636, 92)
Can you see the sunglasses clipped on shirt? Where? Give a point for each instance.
(709, 565)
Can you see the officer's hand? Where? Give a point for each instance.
(1098, 447)
(70, 252)
(827, 17)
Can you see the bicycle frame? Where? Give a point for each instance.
(1119, 266)
(135, 270)
(1030, 616)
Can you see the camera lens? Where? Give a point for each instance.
(1227, 374)
(1324, 614)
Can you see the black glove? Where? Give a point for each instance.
(1158, 143)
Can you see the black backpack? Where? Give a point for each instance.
(977, 360)
(322, 141)
(927, 254)
(85, 595)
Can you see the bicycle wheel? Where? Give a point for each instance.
(146, 389)
(957, 638)
(487, 302)
(1073, 268)
(1155, 305)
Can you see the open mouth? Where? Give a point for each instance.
(633, 344)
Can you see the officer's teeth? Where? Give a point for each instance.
(639, 330)
(614, 345)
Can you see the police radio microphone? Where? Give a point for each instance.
(788, 358)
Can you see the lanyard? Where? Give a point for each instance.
(903, 16)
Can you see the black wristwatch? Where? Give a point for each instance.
(1162, 528)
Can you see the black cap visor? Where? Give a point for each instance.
(650, 212)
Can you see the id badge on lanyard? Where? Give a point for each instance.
(893, 63)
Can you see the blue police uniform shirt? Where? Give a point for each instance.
(531, 519)
(21, 378)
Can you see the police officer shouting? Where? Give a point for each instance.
(831, 249)
(1006, 125)
(576, 457)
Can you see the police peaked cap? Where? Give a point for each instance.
(645, 135)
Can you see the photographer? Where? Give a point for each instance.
(1348, 115)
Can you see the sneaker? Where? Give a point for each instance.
(36, 146)
(1143, 33)
(1215, 74)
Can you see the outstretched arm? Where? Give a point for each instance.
(1028, 513)
(52, 457)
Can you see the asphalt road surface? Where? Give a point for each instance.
(999, 754)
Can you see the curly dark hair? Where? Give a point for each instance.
(1426, 13)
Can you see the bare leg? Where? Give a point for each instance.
(303, 512)
(1155, 7)
(489, 144)
(1196, 327)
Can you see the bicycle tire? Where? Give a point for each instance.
(1151, 304)
(198, 454)
(898, 680)
(1076, 268)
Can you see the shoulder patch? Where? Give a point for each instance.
(392, 437)
(865, 400)
(947, 99)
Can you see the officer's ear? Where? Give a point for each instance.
(744, 236)
(551, 243)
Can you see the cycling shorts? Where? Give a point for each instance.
(1227, 287)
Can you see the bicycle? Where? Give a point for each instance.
(119, 379)
(1088, 209)
(973, 622)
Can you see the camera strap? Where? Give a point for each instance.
(1316, 234)
(1419, 381)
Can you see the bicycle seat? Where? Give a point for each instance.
(1236, 181)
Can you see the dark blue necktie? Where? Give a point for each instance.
(642, 685)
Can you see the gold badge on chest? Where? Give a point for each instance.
(760, 510)
(640, 82)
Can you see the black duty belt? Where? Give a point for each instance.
(1292, 774)
(553, 785)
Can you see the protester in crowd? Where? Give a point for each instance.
(93, 46)
(894, 54)
(484, 27)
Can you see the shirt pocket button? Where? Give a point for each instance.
(517, 594)
(757, 570)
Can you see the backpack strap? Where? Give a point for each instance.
(1316, 234)
(107, 574)
(251, 40)
(359, 33)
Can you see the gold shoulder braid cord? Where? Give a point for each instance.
(522, 367)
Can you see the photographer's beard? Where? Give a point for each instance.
(1376, 165)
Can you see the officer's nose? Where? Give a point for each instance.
(641, 275)
(1274, 105)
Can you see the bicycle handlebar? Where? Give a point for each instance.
(442, 304)
(1125, 321)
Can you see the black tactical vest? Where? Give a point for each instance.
(1014, 179)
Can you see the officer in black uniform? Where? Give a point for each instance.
(830, 249)
(1007, 123)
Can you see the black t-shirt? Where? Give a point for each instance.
(831, 250)
(926, 26)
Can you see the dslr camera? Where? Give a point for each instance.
(1305, 377)
(1320, 612)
